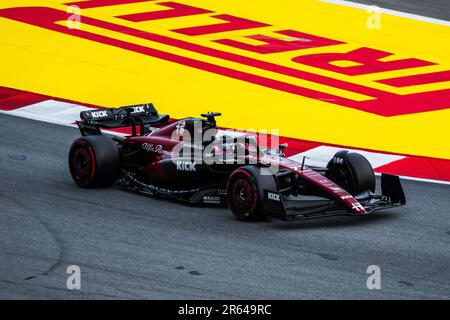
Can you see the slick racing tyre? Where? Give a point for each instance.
(243, 194)
(94, 161)
(352, 172)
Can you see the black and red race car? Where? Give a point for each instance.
(161, 158)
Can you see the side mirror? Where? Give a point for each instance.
(211, 117)
(283, 146)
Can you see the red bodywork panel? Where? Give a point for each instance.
(325, 184)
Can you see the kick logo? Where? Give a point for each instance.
(273, 196)
(186, 166)
(138, 109)
(99, 114)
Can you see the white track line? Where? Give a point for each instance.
(50, 111)
(388, 11)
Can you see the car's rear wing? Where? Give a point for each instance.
(143, 115)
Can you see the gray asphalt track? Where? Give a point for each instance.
(439, 9)
(133, 246)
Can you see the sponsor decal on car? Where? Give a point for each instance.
(154, 188)
(336, 189)
(273, 196)
(99, 114)
(139, 109)
(149, 147)
(186, 166)
(358, 207)
(212, 199)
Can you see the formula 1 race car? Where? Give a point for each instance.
(216, 168)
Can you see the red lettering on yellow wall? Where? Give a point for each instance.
(87, 4)
(382, 102)
(368, 61)
(418, 79)
(177, 10)
(233, 23)
(296, 41)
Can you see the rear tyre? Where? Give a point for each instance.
(243, 196)
(351, 171)
(94, 161)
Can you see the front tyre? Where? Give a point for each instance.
(351, 171)
(243, 196)
(94, 161)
